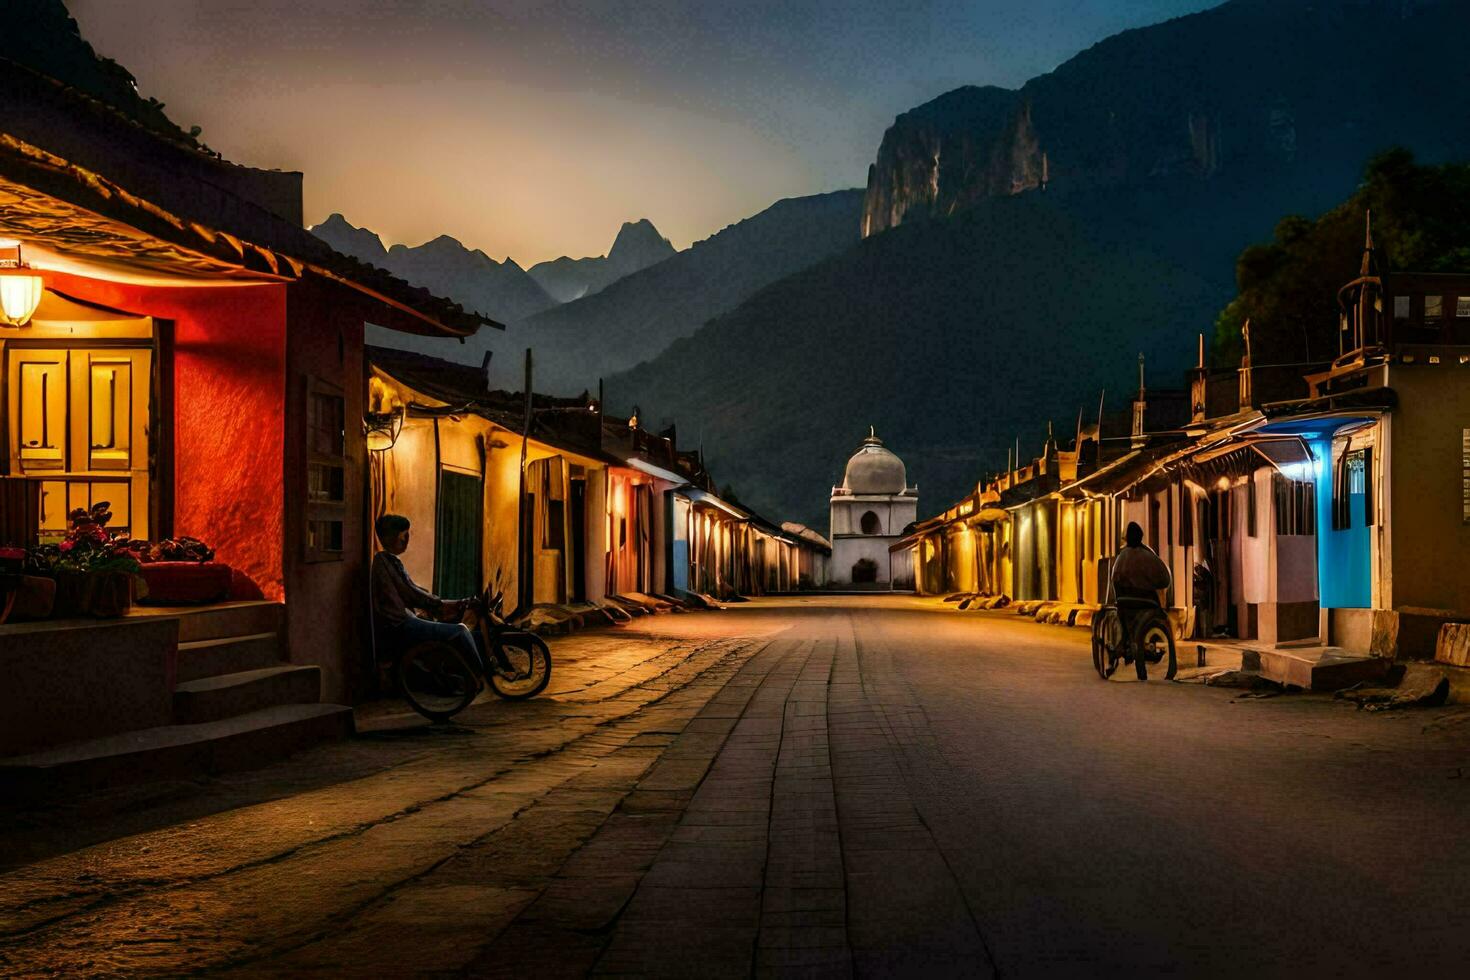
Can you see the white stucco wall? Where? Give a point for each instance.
(846, 552)
(849, 544)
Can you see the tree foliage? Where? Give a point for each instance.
(1288, 287)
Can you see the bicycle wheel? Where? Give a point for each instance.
(1107, 641)
(1153, 645)
(435, 680)
(531, 660)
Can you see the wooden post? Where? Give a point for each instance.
(527, 564)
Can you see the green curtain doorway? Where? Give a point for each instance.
(457, 536)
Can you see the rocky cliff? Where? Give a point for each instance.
(1268, 90)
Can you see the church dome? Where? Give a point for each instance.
(874, 470)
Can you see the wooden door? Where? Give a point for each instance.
(79, 426)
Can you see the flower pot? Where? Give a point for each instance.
(102, 595)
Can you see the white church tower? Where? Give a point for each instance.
(869, 512)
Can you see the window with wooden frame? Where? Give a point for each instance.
(326, 471)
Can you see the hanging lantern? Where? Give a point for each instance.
(20, 287)
(380, 429)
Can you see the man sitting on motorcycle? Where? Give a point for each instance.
(1138, 574)
(398, 602)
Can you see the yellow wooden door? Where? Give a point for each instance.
(81, 428)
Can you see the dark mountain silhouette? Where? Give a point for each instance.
(501, 290)
(1015, 253)
(638, 316)
(952, 338)
(42, 35)
(360, 243)
(638, 245)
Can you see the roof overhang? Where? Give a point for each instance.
(164, 218)
(658, 472)
(704, 498)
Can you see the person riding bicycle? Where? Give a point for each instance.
(1138, 573)
(398, 602)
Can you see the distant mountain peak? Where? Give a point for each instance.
(639, 236)
(345, 237)
(637, 246)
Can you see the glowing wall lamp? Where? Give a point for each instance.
(380, 429)
(20, 287)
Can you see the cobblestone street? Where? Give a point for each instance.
(834, 785)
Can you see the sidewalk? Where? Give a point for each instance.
(1311, 667)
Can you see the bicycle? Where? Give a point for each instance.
(1151, 642)
(438, 682)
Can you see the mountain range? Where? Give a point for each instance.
(638, 316)
(1021, 247)
(1012, 252)
(620, 317)
(951, 338)
(501, 290)
(638, 246)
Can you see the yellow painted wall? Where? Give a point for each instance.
(1428, 540)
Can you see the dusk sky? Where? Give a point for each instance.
(534, 129)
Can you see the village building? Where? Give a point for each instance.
(870, 510)
(722, 549)
(557, 505)
(175, 344)
(452, 464)
(1319, 507)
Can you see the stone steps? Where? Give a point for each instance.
(224, 620)
(173, 752)
(236, 703)
(199, 659)
(226, 695)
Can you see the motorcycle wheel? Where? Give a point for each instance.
(531, 658)
(1153, 643)
(436, 681)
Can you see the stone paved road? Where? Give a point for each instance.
(836, 786)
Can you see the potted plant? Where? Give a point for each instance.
(96, 571)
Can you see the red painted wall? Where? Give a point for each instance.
(229, 391)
